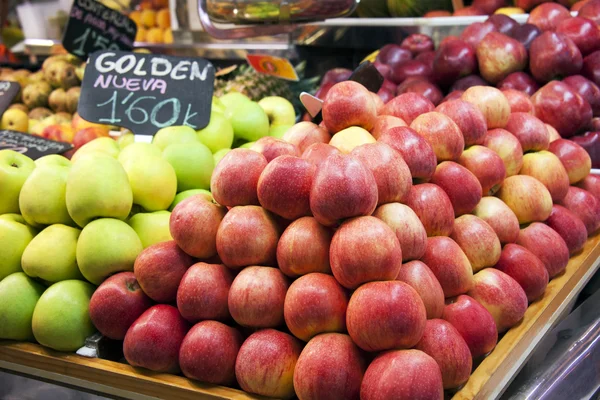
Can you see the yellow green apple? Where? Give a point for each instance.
(60, 319)
(174, 134)
(98, 187)
(193, 164)
(50, 256)
(249, 121)
(153, 181)
(189, 193)
(14, 170)
(18, 296)
(102, 145)
(53, 159)
(125, 140)
(106, 246)
(152, 227)
(138, 149)
(15, 235)
(218, 134)
(278, 130)
(279, 110)
(232, 100)
(217, 105)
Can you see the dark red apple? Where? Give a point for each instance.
(552, 56)
(411, 68)
(427, 57)
(548, 16)
(386, 95)
(503, 23)
(393, 54)
(586, 89)
(547, 245)
(467, 82)
(585, 205)
(592, 184)
(569, 226)
(454, 60)
(583, 32)
(591, 67)
(526, 34)
(455, 95)
(383, 69)
(590, 141)
(520, 81)
(417, 43)
(335, 75)
(469, 11)
(525, 268)
(423, 87)
(474, 33)
(591, 10)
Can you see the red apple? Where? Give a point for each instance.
(330, 366)
(408, 106)
(348, 104)
(265, 364)
(501, 295)
(527, 197)
(433, 207)
(508, 148)
(437, 14)
(554, 55)
(486, 165)
(548, 16)
(304, 248)
(586, 89)
(203, 292)
(116, 304)
(591, 183)
(420, 278)
(590, 141)
(500, 217)
(414, 149)
(318, 152)
(386, 96)
(449, 264)
(548, 169)
(503, 23)
(194, 223)
(530, 131)
(475, 32)
(466, 82)
(461, 186)
(520, 81)
(552, 133)
(519, 101)
(412, 68)
(256, 297)
(467, 117)
(445, 345)
(583, 32)
(305, 133)
(455, 95)
(525, 268)
(235, 178)
(154, 339)
(389, 169)
(88, 134)
(388, 85)
(393, 54)
(527, 4)
(562, 107)
(478, 241)
(468, 11)
(474, 323)
(585, 205)
(284, 186)
(384, 123)
(574, 158)
(272, 148)
(417, 43)
(385, 315)
(209, 351)
(591, 67)
(364, 249)
(569, 227)
(427, 57)
(454, 60)
(591, 10)
(382, 68)
(248, 235)
(407, 226)
(526, 34)
(578, 5)
(335, 75)
(343, 187)
(499, 55)
(547, 245)
(492, 104)
(315, 303)
(422, 87)
(442, 133)
(416, 376)
(159, 269)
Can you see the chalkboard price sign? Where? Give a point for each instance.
(92, 26)
(146, 92)
(8, 91)
(32, 146)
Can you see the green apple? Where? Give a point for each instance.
(249, 121)
(61, 319)
(217, 105)
(279, 110)
(137, 150)
(193, 164)
(14, 170)
(53, 159)
(98, 187)
(218, 134)
(125, 140)
(219, 155)
(189, 193)
(50, 256)
(174, 134)
(152, 227)
(18, 296)
(106, 246)
(247, 145)
(233, 100)
(43, 196)
(102, 145)
(15, 235)
(278, 130)
(153, 181)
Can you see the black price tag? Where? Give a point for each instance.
(146, 92)
(8, 91)
(92, 26)
(32, 146)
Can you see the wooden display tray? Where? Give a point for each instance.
(488, 381)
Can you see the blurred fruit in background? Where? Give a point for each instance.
(153, 20)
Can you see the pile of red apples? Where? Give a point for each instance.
(374, 256)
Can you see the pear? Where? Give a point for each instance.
(58, 100)
(61, 74)
(39, 113)
(73, 99)
(36, 94)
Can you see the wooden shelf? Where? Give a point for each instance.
(487, 382)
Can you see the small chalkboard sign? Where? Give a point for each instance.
(8, 91)
(92, 26)
(32, 146)
(146, 92)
